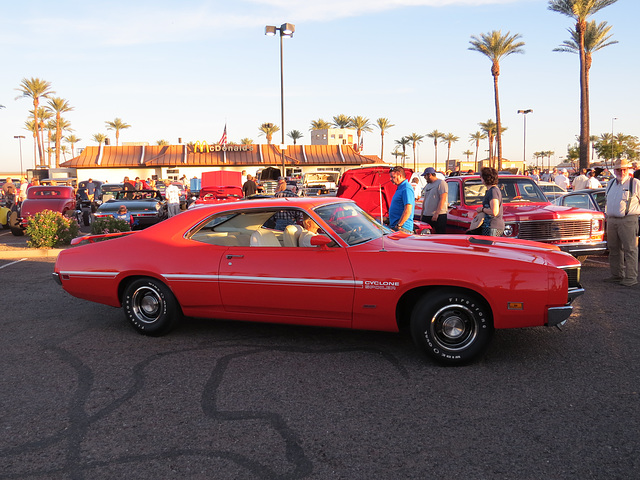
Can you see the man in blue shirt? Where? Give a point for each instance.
(402, 203)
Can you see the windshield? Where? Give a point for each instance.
(514, 190)
(351, 223)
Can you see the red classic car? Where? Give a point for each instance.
(216, 194)
(528, 215)
(227, 261)
(57, 198)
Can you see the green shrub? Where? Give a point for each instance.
(49, 229)
(103, 225)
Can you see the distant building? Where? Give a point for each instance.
(334, 136)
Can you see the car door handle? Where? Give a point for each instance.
(234, 256)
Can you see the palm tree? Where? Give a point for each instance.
(580, 10)
(59, 106)
(475, 138)
(35, 89)
(268, 129)
(361, 124)
(320, 124)
(30, 126)
(415, 139)
(72, 140)
(246, 141)
(489, 129)
(342, 121)
(449, 139)
(596, 37)
(467, 154)
(99, 137)
(117, 125)
(496, 46)
(51, 128)
(162, 142)
(43, 115)
(295, 135)
(63, 151)
(436, 135)
(403, 142)
(383, 124)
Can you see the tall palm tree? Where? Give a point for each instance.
(449, 139)
(580, 11)
(44, 115)
(295, 135)
(415, 139)
(30, 126)
(436, 135)
(361, 124)
(72, 140)
(403, 142)
(489, 128)
(342, 121)
(383, 124)
(467, 153)
(496, 46)
(320, 124)
(268, 129)
(59, 106)
(475, 138)
(99, 137)
(36, 89)
(596, 37)
(117, 124)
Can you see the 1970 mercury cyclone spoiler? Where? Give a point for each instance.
(334, 266)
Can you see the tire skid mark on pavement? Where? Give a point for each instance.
(71, 436)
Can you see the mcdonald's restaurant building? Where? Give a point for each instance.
(111, 164)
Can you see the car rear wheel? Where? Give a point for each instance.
(451, 327)
(150, 306)
(86, 218)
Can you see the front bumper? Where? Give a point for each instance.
(559, 315)
(581, 249)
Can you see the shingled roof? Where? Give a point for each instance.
(214, 155)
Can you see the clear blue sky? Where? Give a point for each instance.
(183, 69)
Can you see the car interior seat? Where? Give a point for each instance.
(264, 238)
(291, 235)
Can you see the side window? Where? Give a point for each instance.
(601, 200)
(454, 194)
(578, 201)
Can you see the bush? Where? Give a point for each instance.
(49, 229)
(103, 225)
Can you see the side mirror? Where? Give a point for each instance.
(320, 241)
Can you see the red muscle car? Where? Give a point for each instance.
(47, 197)
(333, 266)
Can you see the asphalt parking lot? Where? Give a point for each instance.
(84, 396)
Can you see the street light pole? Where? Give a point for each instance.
(524, 143)
(614, 118)
(286, 30)
(20, 137)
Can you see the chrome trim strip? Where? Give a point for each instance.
(90, 274)
(316, 281)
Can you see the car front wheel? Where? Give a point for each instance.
(150, 306)
(451, 327)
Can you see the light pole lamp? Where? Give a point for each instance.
(286, 30)
(20, 137)
(524, 143)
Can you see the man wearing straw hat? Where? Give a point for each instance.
(623, 208)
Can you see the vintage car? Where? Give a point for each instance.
(213, 195)
(372, 189)
(89, 198)
(227, 261)
(551, 190)
(146, 207)
(56, 198)
(320, 183)
(528, 215)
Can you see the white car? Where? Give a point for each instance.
(551, 190)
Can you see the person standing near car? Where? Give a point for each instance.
(249, 187)
(402, 203)
(593, 181)
(493, 225)
(434, 201)
(172, 195)
(580, 182)
(623, 208)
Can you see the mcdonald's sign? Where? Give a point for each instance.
(204, 147)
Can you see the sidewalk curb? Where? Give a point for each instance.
(29, 253)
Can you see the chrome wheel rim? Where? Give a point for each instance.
(147, 304)
(454, 327)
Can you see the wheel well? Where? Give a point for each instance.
(409, 299)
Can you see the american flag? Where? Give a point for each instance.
(223, 140)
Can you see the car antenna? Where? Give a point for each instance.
(381, 219)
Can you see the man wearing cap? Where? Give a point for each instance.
(562, 179)
(623, 208)
(402, 203)
(434, 201)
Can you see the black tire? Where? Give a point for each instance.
(86, 218)
(17, 231)
(150, 307)
(452, 328)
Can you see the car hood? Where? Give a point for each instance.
(504, 248)
(522, 213)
